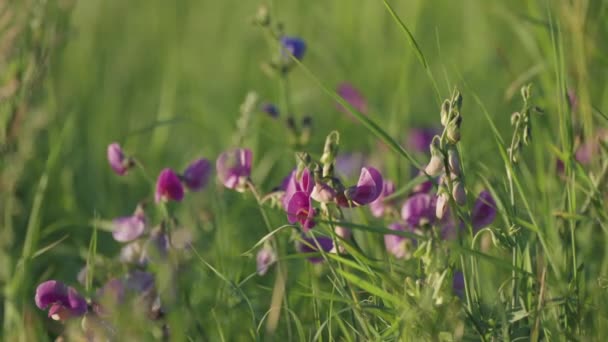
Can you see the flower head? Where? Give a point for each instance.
(197, 174)
(293, 185)
(419, 209)
(264, 259)
(63, 300)
(117, 159)
(368, 187)
(399, 246)
(234, 168)
(323, 193)
(299, 209)
(351, 95)
(309, 245)
(294, 46)
(129, 228)
(168, 187)
(379, 206)
(484, 210)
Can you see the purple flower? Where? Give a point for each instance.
(293, 185)
(379, 206)
(309, 245)
(63, 300)
(264, 259)
(368, 187)
(270, 109)
(458, 284)
(351, 95)
(323, 193)
(234, 168)
(419, 209)
(168, 187)
(347, 164)
(399, 246)
(299, 209)
(128, 228)
(294, 46)
(117, 159)
(419, 139)
(197, 174)
(484, 210)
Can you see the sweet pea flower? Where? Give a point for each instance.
(293, 185)
(379, 206)
(64, 301)
(419, 209)
(399, 246)
(484, 210)
(196, 175)
(299, 209)
(309, 245)
(119, 162)
(368, 188)
(294, 46)
(234, 168)
(351, 95)
(323, 193)
(168, 187)
(264, 259)
(129, 228)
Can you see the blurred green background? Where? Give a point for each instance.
(166, 79)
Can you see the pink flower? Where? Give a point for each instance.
(168, 187)
(234, 168)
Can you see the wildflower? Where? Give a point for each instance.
(168, 187)
(299, 209)
(323, 193)
(132, 253)
(484, 210)
(265, 258)
(351, 95)
(435, 165)
(117, 159)
(131, 227)
(309, 245)
(442, 205)
(419, 139)
(458, 193)
(64, 301)
(234, 168)
(368, 188)
(379, 206)
(399, 246)
(293, 185)
(419, 209)
(197, 174)
(294, 46)
(270, 109)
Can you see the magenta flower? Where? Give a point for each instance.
(168, 187)
(117, 159)
(399, 246)
(309, 245)
(197, 174)
(234, 168)
(351, 95)
(293, 185)
(419, 139)
(63, 300)
(379, 206)
(129, 228)
(419, 209)
(484, 210)
(264, 259)
(368, 188)
(299, 209)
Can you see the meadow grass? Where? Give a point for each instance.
(174, 81)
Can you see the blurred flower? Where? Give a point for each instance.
(458, 284)
(129, 228)
(197, 174)
(399, 246)
(484, 210)
(294, 46)
(63, 300)
(168, 187)
(293, 185)
(419, 209)
(115, 292)
(347, 164)
(299, 209)
(441, 205)
(323, 193)
(117, 159)
(351, 95)
(132, 253)
(270, 109)
(234, 168)
(308, 245)
(379, 206)
(419, 139)
(459, 193)
(265, 258)
(368, 187)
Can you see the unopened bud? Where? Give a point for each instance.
(453, 129)
(526, 92)
(458, 193)
(441, 207)
(262, 17)
(457, 100)
(331, 148)
(454, 161)
(514, 118)
(435, 165)
(445, 113)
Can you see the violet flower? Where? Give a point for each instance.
(484, 210)
(368, 188)
(168, 187)
(64, 301)
(308, 245)
(196, 175)
(293, 185)
(299, 209)
(234, 168)
(351, 95)
(129, 228)
(294, 46)
(117, 159)
(419, 209)
(399, 246)
(264, 259)
(270, 109)
(379, 206)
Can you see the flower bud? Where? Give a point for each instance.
(262, 17)
(458, 193)
(331, 148)
(454, 161)
(323, 193)
(441, 206)
(453, 129)
(445, 112)
(435, 165)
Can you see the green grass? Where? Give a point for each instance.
(167, 80)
